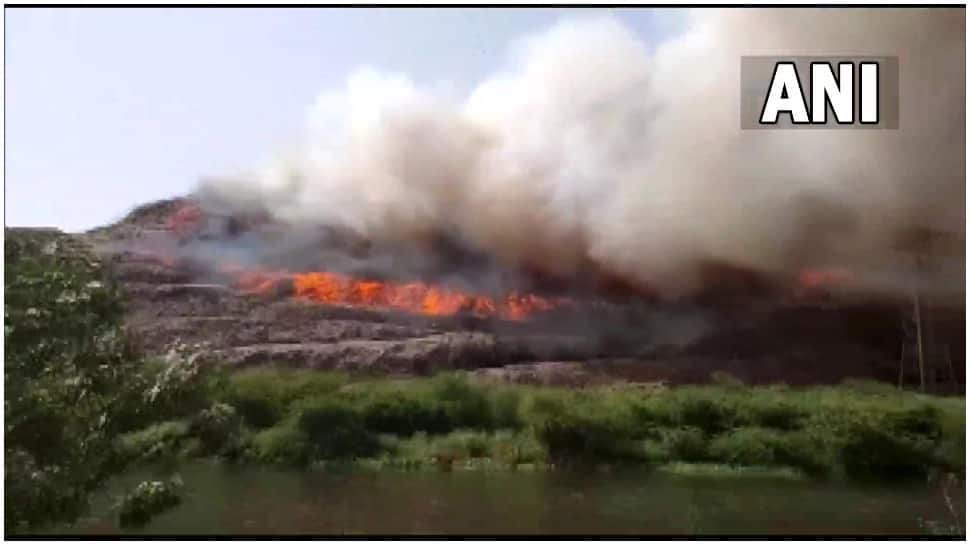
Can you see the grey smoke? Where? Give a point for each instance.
(590, 147)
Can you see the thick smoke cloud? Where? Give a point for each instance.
(592, 149)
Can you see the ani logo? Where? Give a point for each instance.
(815, 92)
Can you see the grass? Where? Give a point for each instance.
(862, 430)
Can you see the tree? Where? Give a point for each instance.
(72, 379)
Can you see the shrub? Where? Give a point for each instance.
(687, 444)
(159, 440)
(257, 396)
(179, 387)
(924, 421)
(218, 430)
(770, 412)
(263, 397)
(745, 446)
(404, 414)
(693, 409)
(583, 431)
(505, 403)
(465, 405)
(804, 452)
(281, 444)
(872, 453)
(335, 429)
(257, 411)
(147, 500)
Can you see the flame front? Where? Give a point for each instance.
(415, 297)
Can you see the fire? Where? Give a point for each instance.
(339, 289)
(414, 297)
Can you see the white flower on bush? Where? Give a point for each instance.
(179, 372)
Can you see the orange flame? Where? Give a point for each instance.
(414, 297)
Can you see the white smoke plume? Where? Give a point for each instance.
(592, 148)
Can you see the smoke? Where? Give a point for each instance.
(590, 149)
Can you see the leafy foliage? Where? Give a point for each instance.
(149, 498)
(819, 431)
(73, 381)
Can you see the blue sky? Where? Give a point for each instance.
(109, 108)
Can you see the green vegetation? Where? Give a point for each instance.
(73, 383)
(147, 499)
(297, 417)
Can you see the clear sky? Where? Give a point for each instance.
(106, 109)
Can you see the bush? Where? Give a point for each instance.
(924, 421)
(264, 397)
(872, 453)
(403, 414)
(505, 403)
(804, 452)
(780, 416)
(745, 446)
(335, 430)
(147, 500)
(465, 405)
(687, 444)
(281, 444)
(218, 430)
(693, 409)
(583, 431)
(258, 411)
(440, 405)
(157, 441)
(179, 387)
